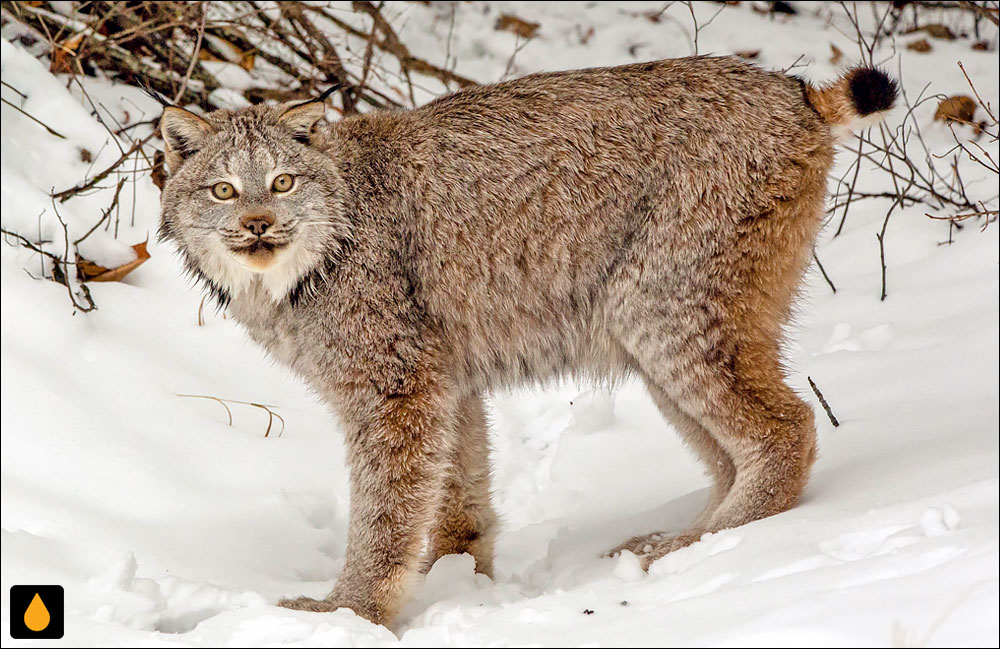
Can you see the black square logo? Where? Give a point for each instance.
(36, 612)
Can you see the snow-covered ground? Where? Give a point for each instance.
(169, 527)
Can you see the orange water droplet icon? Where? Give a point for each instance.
(36, 617)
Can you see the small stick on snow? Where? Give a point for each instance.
(822, 402)
(271, 414)
(34, 119)
(107, 212)
(823, 270)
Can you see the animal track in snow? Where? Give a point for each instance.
(853, 546)
(939, 520)
(683, 559)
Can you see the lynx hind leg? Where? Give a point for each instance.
(718, 464)
(466, 521)
(719, 378)
(771, 435)
(742, 401)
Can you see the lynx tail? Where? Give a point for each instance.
(857, 100)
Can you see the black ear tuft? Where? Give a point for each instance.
(155, 94)
(872, 90)
(322, 97)
(301, 118)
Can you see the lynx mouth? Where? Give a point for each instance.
(260, 254)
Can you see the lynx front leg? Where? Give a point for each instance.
(466, 521)
(397, 456)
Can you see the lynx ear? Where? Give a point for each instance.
(184, 134)
(301, 118)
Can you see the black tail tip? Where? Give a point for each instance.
(872, 90)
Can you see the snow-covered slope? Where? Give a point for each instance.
(168, 526)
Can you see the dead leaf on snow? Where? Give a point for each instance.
(957, 108)
(511, 23)
(62, 54)
(922, 46)
(936, 30)
(835, 54)
(940, 31)
(88, 271)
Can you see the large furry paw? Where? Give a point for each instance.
(653, 546)
(640, 545)
(328, 605)
(310, 604)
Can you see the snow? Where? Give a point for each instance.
(169, 527)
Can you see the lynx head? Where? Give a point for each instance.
(250, 197)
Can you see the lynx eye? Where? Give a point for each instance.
(283, 183)
(223, 191)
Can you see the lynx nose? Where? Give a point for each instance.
(257, 223)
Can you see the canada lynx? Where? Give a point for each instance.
(651, 220)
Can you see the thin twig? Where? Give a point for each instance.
(105, 214)
(7, 85)
(84, 289)
(271, 415)
(822, 402)
(66, 194)
(221, 402)
(34, 119)
(823, 271)
(194, 54)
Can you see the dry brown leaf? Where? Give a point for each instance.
(957, 108)
(63, 52)
(225, 50)
(88, 271)
(749, 55)
(158, 174)
(981, 46)
(835, 54)
(939, 31)
(513, 24)
(244, 59)
(922, 46)
(208, 55)
(247, 61)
